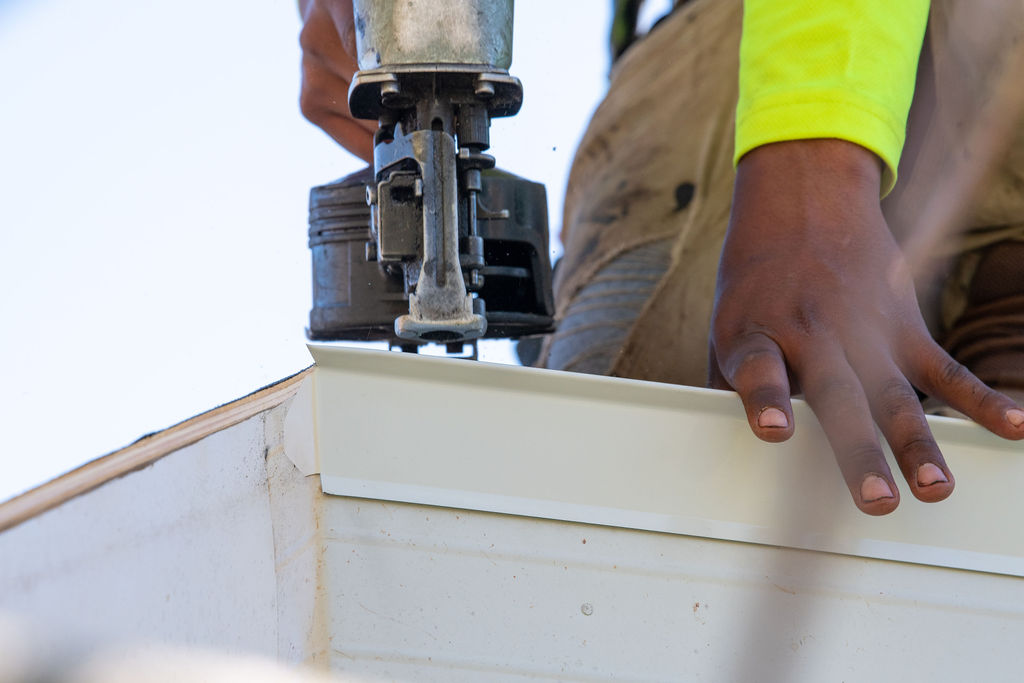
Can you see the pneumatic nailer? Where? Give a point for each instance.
(431, 244)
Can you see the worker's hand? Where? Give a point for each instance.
(328, 62)
(814, 297)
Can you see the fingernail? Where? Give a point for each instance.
(772, 417)
(1015, 416)
(929, 473)
(874, 488)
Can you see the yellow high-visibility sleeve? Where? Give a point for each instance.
(829, 69)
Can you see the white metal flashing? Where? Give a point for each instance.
(638, 455)
(300, 428)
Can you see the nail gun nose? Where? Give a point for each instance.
(416, 327)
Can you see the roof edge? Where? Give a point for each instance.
(145, 451)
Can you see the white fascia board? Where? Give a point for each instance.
(639, 455)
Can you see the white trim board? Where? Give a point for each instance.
(639, 455)
(145, 451)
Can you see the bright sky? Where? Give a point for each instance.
(154, 174)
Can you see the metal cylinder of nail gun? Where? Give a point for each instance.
(405, 32)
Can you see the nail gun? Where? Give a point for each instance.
(431, 244)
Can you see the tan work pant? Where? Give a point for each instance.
(655, 168)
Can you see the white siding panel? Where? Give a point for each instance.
(181, 551)
(433, 594)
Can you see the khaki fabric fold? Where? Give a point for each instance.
(656, 163)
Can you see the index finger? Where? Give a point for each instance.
(754, 367)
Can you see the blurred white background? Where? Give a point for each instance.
(154, 174)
